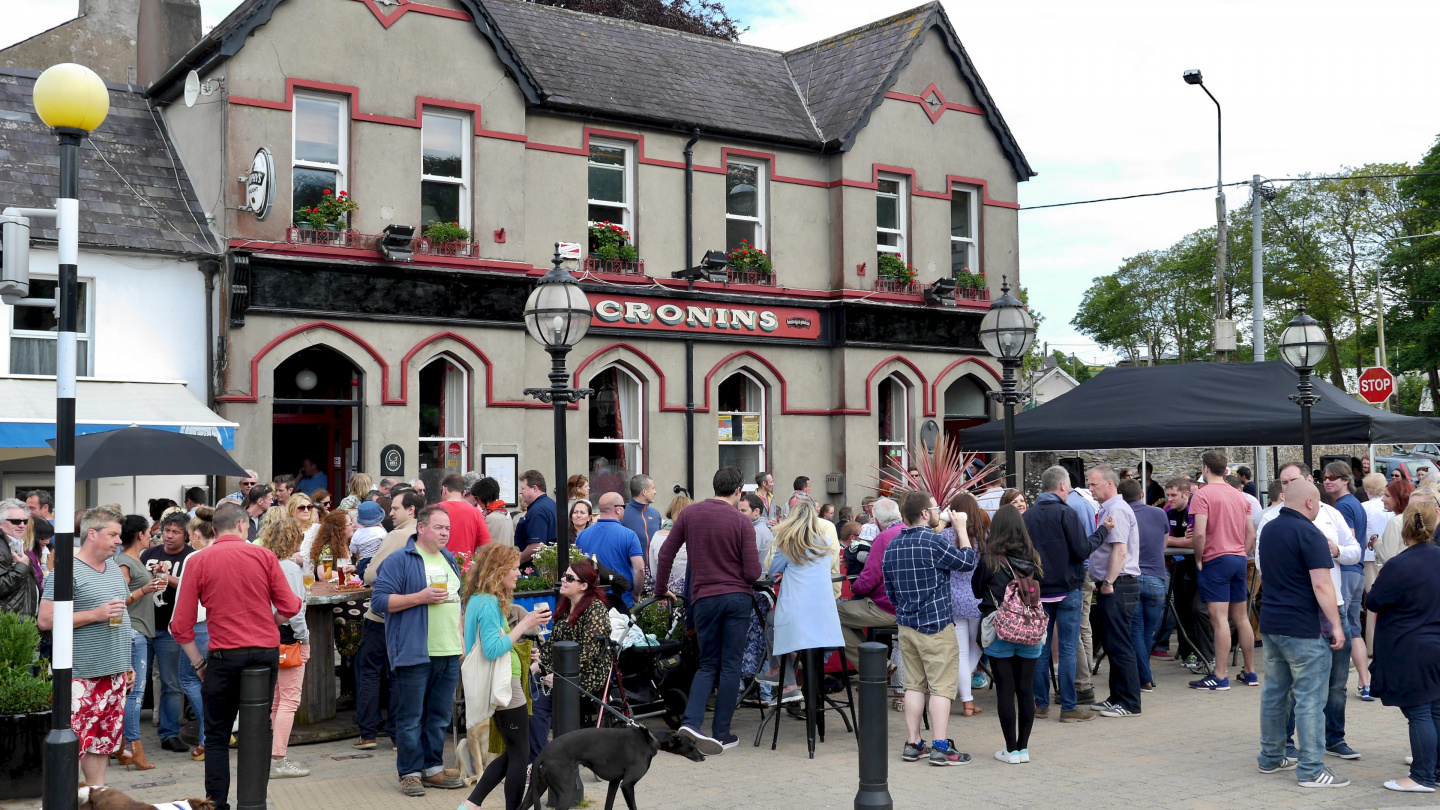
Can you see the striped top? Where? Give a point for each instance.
(100, 649)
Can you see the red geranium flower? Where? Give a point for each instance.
(327, 192)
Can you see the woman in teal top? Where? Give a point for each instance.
(487, 591)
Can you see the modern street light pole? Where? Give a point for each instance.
(1222, 237)
(73, 101)
(1007, 332)
(557, 316)
(1303, 346)
(1260, 191)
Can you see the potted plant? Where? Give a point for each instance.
(336, 207)
(750, 259)
(24, 707)
(310, 219)
(893, 268)
(545, 578)
(447, 237)
(611, 243)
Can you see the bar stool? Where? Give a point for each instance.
(816, 702)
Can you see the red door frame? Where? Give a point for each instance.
(339, 419)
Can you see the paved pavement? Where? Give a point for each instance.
(1188, 749)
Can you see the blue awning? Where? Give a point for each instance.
(27, 410)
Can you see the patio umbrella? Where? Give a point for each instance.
(146, 451)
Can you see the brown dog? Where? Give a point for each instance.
(100, 798)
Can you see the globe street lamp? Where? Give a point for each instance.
(1303, 346)
(1007, 333)
(557, 316)
(73, 101)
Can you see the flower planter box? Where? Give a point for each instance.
(22, 743)
(749, 277)
(614, 267)
(898, 287)
(977, 294)
(457, 249)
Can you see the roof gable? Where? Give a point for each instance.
(114, 214)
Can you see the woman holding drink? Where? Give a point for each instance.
(135, 538)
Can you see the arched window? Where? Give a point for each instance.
(742, 427)
(616, 411)
(443, 424)
(894, 412)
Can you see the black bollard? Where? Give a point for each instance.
(257, 687)
(565, 698)
(873, 730)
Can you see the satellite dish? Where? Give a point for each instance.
(192, 88)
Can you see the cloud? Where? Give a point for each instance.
(1093, 94)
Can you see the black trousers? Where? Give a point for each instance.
(1119, 611)
(221, 693)
(1015, 688)
(374, 679)
(514, 727)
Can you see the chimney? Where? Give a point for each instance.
(168, 29)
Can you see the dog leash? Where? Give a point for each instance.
(607, 707)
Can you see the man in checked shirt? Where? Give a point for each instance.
(916, 568)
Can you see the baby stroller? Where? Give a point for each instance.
(650, 680)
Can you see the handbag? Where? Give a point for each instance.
(290, 656)
(987, 631)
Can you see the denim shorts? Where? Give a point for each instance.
(1223, 579)
(1000, 648)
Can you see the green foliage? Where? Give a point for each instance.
(655, 618)
(442, 232)
(545, 564)
(1072, 366)
(970, 281)
(750, 259)
(611, 242)
(1411, 273)
(894, 268)
(312, 217)
(533, 584)
(1408, 390)
(21, 690)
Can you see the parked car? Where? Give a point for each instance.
(1414, 467)
(1430, 451)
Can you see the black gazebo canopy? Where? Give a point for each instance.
(1197, 405)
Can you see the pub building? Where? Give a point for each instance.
(852, 163)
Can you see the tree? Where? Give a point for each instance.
(1411, 270)
(704, 17)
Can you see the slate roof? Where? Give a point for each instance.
(816, 97)
(111, 215)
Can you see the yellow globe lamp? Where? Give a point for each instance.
(71, 96)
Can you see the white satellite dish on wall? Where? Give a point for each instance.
(192, 88)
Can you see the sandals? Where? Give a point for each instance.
(971, 709)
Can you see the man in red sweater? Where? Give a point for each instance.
(467, 524)
(245, 594)
(724, 564)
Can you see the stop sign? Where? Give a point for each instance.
(1376, 385)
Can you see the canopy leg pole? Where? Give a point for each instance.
(1144, 479)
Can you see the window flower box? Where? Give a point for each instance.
(755, 277)
(613, 267)
(898, 286)
(972, 294)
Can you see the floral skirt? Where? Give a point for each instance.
(97, 713)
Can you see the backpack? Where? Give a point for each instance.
(1020, 619)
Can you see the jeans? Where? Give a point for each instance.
(427, 704)
(1298, 667)
(1146, 623)
(222, 703)
(1352, 586)
(139, 658)
(1119, 608)
(1065, 620)
(542, 714)
(1424, 741)
(372, 677)
(722, 623)
(178, 681)
(1334, 697)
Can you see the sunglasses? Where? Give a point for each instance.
(323, 504)
(1335, 478)
(14, 522)
(248, 483)
(568, 577)
(304, 507)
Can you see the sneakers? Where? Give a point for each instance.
(1042, 712)
(411, 786)
(1008, 757)
(1118, 711)
(913, 751)
(1342, 751)
(1148, 686)
(949, 756)
(1212, 683)
(363, 744)
(1250, 679)
(444, 780)
(979, 680)
(1162, 654)
(286, 768)
(1325, 779)
(793, 696)
(1365, 694)
(729, 741)
(1100, 706)
(1286, 764)
(1024, 754)
(1076, 716)
(709, 746)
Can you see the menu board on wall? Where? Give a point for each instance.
(725, 432)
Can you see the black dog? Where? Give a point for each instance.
(620, 756)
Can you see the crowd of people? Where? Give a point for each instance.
(984, 586)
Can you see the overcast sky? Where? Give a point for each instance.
(1093, 94)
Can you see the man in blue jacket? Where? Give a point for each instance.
(1064, 542)
(641, 516)
(417, 590)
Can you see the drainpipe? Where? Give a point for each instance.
(690, 342)
(210, 267)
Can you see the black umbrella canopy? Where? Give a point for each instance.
(146, 451)
(1197, 405)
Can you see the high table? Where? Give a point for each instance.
(318, 692)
